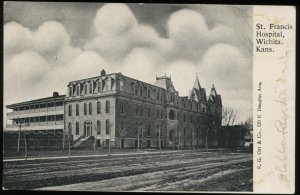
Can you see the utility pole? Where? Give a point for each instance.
(159, 138)
(69, 139)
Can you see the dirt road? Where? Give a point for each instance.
(184, 171)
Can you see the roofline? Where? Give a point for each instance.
(41, 100)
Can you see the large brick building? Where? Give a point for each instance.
(116, 109)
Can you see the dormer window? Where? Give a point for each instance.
(149, 93)
(77, 90)
(99, 87)
(91, 87)
(85, 89)
(141, 91)
(135, 90)
(70, 91)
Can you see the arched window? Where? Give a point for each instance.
(77, 90)
(70, 91)
(172, 115)
(85, 89)
(91, 87)
(99, 86)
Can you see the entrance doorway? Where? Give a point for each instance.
(87, 129)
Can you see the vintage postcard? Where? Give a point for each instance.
(116, 97)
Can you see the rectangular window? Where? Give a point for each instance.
(90, 108)
(149, 113)
(122, 107)
(157, 113)
(98, 107)
(85, 108)
(77, 128)
(149, 95)
(70, 127)
(148, 130)
(161, 114)
(157, 95)
(77, 109)
(136, 109)
(141, 110)
(98, 127)
(70, 110)
(107, 126)
(107, 106)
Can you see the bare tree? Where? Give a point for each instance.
(20, 125)
(140, 131)
(109, 131)
(98, 131)
(229, 118)
(122, 132)
(159, 136)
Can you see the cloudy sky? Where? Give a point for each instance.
(46, 45)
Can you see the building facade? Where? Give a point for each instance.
(42, 120)
(116, 110)
(123, 111)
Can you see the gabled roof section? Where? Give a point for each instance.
(214, 96)
(197, 83)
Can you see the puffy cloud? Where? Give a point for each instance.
(186, 26)
(226, 66)
(114, 19)
(25, 76)
(50, 37)
(140, 64)
(183, 74)
(118, 32)
(16, 38)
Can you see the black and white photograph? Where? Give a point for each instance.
(125, 97)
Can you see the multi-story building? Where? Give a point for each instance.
(120, 110)
(42, 120)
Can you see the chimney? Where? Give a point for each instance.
(55, 94)
(103, 73)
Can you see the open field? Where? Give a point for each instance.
(190, 170)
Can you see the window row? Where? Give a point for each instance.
(146, 92)
(88, 108)
(39, 119)
(92, 87)
(139, 111)
(88, 127)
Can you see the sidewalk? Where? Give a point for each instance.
(105, 153)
